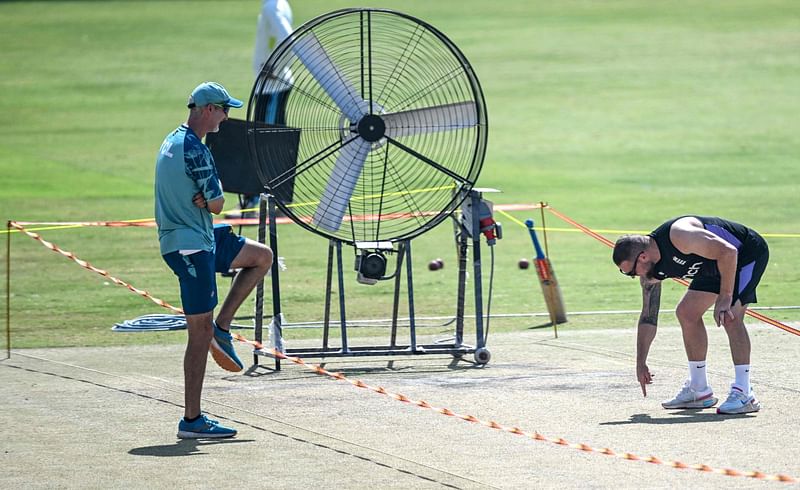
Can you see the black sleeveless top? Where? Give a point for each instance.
(674, 263)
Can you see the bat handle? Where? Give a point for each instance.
(532, 231)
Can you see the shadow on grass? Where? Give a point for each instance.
(678, 417)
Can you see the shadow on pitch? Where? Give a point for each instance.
(349, 367)
(184, 447)
(543, 325)
(677, 417)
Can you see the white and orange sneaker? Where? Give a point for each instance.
(690, 398)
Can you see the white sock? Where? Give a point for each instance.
(743, 377)
(697, 375)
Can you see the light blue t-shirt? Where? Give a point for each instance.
(184, 167)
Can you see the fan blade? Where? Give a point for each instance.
(342, 182)
(311, 53)
(446, 117)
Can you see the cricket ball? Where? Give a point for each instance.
(524, 263)
(433, 266)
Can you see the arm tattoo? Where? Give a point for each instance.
(651, 302)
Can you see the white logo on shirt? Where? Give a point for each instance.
(693, 270)
(165, 147)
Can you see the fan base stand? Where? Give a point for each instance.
(455, 348)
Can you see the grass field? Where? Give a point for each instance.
(620, 114)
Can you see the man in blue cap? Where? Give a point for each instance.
(187, 192)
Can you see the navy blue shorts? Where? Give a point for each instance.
(747, 278)
(196, 271)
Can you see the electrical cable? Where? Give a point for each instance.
(152, 323)
(489, 299)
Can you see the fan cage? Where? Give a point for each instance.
(395, 63)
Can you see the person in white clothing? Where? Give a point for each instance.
(274, 25)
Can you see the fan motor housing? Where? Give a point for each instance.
(371, 127)
(371, 265)
(371, 261)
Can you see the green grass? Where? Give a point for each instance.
(620, 114)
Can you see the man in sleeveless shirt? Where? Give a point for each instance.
(724, 262)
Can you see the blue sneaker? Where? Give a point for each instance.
(202, 428)
(223, 352)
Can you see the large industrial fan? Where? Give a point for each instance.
(381, 136)
(391, 123)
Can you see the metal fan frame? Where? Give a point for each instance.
(460, 189)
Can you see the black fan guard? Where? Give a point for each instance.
(382, 131)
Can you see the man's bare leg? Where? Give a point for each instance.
(690, 312)
(254, 259)
(738, 338)
(200, 331)
(741, 399)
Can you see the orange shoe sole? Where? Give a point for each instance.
(222, 359)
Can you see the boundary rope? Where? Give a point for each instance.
(422, 403)
(491, 424)
(87, 265)
(281, 220)
(601, 238)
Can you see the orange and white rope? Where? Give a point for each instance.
(422, 403)
(87, 265)
(606, 241)
(516, 430)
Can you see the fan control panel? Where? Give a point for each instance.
(490, 228)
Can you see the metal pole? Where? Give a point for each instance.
(411, 322)
(401, 252)
(542, 205)
(8, 289)
(258, 322)
(553, 319)
(342, 314)
(476, 261)
(276, 288)
(327, 317)
(461, 245)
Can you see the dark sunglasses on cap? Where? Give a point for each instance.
(224, 108)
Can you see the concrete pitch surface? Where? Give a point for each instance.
(107, 418)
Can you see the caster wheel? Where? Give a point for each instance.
(482, 355)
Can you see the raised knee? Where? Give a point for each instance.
(685, 313)
(265, 258)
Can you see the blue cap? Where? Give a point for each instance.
(212, 93)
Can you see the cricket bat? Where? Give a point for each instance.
(548, 281)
